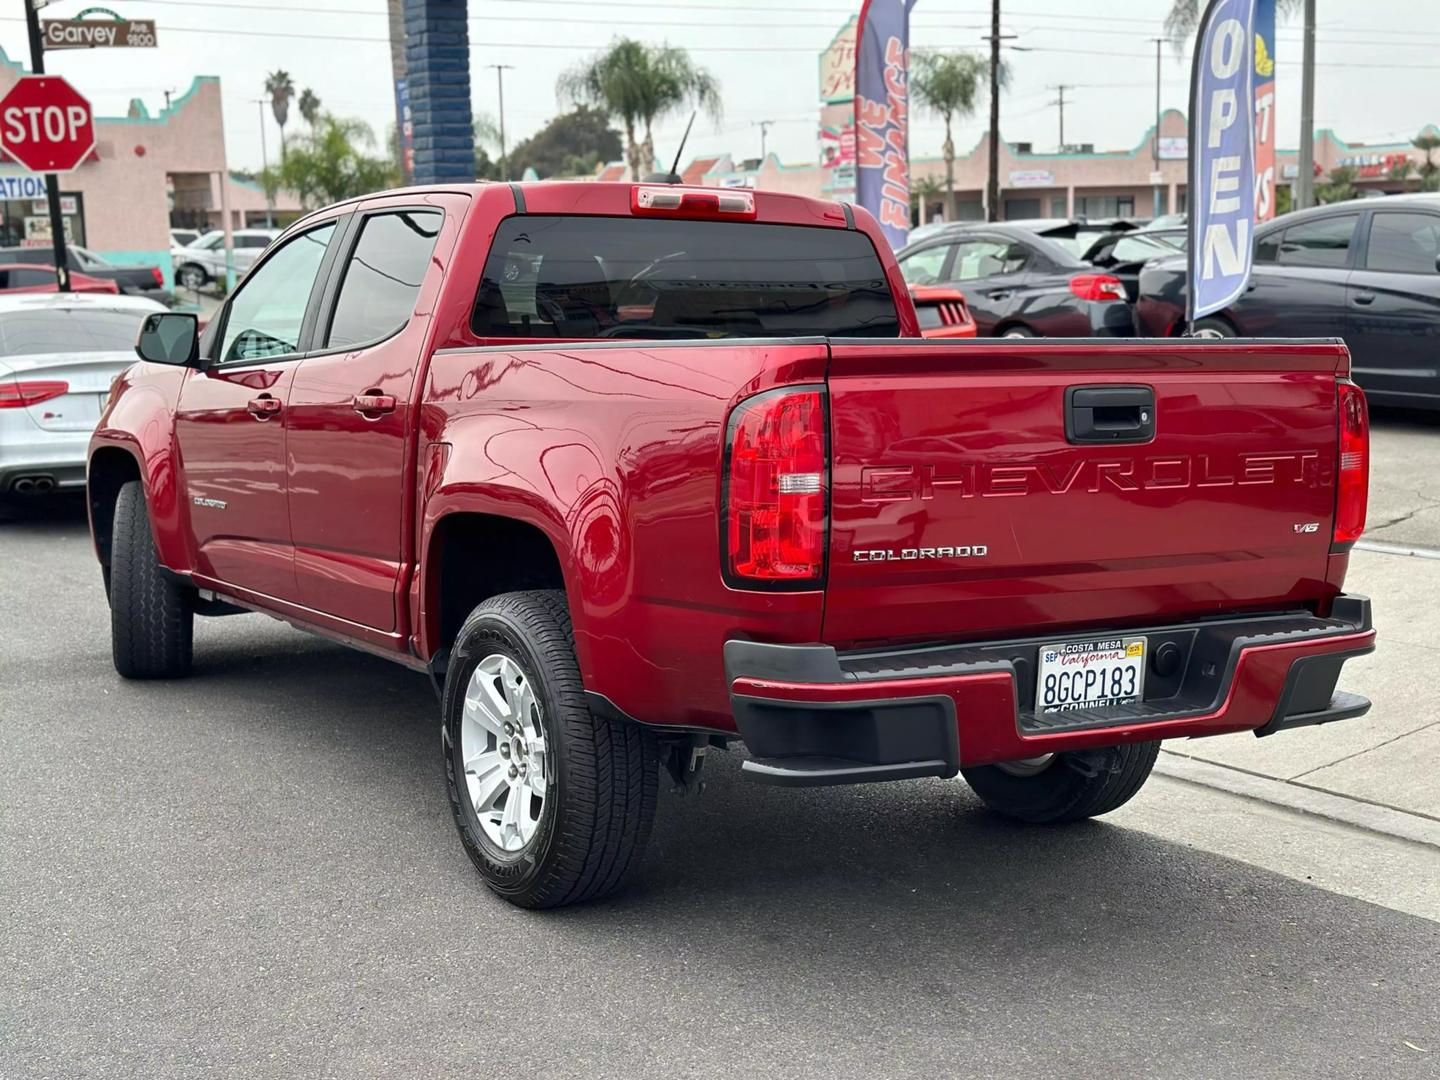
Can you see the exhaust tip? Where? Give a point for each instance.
(44, 483)
(23, 486)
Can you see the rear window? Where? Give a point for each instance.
(57, 330)
(620, 277)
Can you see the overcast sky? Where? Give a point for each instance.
(1376, 81)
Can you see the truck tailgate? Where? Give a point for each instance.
(964, 508)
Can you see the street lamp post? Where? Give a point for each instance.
(265, 168)
(500, 70)
(1305, 179)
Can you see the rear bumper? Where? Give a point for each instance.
(813, 716)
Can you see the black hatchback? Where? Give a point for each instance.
(1366, 271)
(1019, 284)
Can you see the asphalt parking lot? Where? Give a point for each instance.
(253, 873)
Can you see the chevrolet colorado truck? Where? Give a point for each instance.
(638, 471)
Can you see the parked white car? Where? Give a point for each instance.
(59, 354)
(204, 261)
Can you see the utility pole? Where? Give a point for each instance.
(52, 182)
(992, 187)
(1061, 102)
(1305, 179)
(265, 168)
(500, 70)
(1159, 44)
(764, 126)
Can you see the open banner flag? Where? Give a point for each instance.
(882, 115)
(1222, 156)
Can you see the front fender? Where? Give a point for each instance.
(140, 421)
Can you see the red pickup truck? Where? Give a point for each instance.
(634, 472)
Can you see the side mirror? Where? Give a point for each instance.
(169, 337)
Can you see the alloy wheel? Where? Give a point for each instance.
(502, 746)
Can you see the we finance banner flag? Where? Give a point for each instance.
(1222, 156)
(882, 116)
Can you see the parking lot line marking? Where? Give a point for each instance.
(1397, 549)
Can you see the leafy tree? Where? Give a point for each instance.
(1340, 187)
(639, 83)
(328, 165)
(281, 89)
(309, 107)
(569, 145)
(951, 85)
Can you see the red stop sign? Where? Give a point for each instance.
(46, 125)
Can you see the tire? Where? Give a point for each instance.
(599, 775)
(1070, 787)
(1018, 332)
(192, 276)
(1214, 328)
(152, 619)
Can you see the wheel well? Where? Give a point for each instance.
(110, 470)
(479, 556)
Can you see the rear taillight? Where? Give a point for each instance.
(16, 395)
(1352, 492)
(774, 514)
(157, 275)
(1097, 287)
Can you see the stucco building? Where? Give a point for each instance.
(146, 173)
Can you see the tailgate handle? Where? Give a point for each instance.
(1109, 414)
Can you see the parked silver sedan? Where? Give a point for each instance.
(59, 354)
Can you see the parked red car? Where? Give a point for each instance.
(942, 312)
(20, 278)
(634, 472)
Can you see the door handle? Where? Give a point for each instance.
(999, 294)
(1364, 298)
(263, 407)
(373, 402)
(1109, 414)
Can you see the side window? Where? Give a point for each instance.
(1319, 243)
(1404, 243)
(265, 316)
(251, 241)
(925, 266)
(1267, 248)
(22, 279)
(987, 258)
(383, 276)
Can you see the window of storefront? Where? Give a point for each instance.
(1103, 206)
(26, 222)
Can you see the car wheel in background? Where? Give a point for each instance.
(1064, 787)
(192, 276)
(1214, 328)
(152, 619)
(1018, 332)
(554, 804)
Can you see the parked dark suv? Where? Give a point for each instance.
(1366, 271)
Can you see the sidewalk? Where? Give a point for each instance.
(1388, 759)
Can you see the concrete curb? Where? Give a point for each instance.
(1305, 800)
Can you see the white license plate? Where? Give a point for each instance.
(1090, 674)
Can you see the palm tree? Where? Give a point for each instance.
(1184, 17)
(280, 88)
(1341, 185)
(638, 84)
(1428, 141)
(950, 84)
(309, 107)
